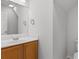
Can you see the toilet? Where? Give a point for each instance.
(76, 52)
(76, 55)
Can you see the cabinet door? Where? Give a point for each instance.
(31, 50)
(15, 52)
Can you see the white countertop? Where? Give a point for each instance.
(10, 42)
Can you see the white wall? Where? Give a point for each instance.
(42, 12)
(72, 30)
(59, 33)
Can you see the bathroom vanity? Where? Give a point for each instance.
(22, 50)
(16, 43)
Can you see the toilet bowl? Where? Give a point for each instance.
(76, 55)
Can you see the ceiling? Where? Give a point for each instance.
(66, 4)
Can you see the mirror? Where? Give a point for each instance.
(14, 18)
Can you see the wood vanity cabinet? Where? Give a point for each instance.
(24, 51)
(31, 50)
(15, 52)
